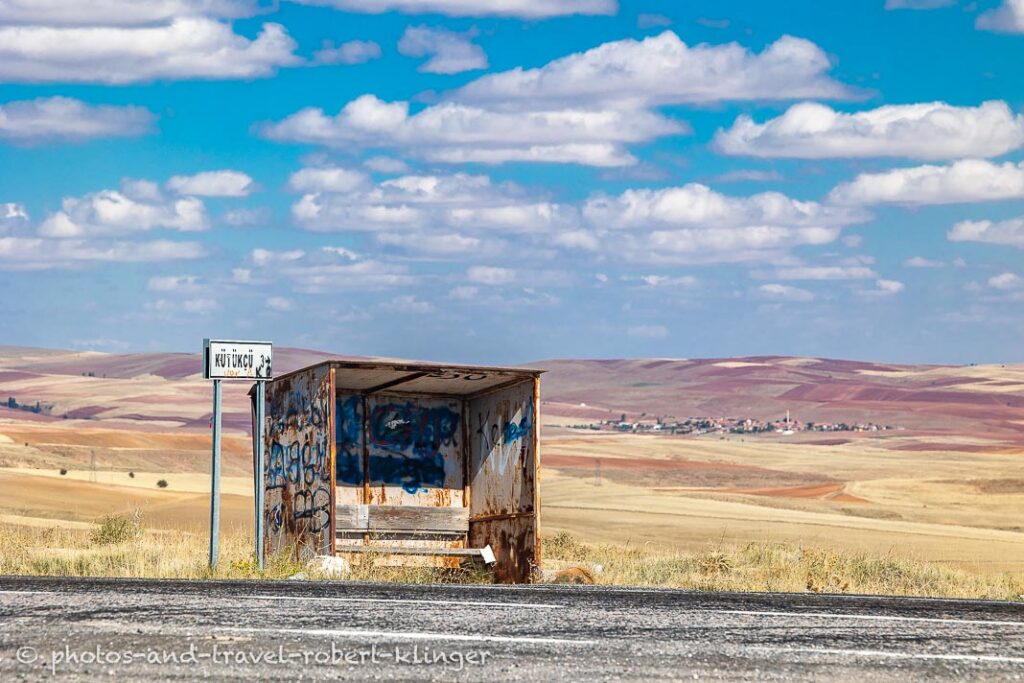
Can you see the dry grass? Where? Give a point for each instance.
(121, 546)
(778, 567)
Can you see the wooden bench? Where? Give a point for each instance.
(406, 520)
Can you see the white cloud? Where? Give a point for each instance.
(327, 179)
(241, 276)
(930, 131)
(669, 281)
(1008, 232)
(648, 331)
(582, 240)
(524, 9)
(464, 293)
(449, 244)
(225, 183)
(918, 4)
(652, 20)
(263, 257)
(921, 262)
(748, 175)
(884, 288)
(1006, 281)
(186, 47)
(491, 275)
(279, 303)
(408, 304)
(62, 119)
(12, 216)
(970, 180)
(35, 253)
(698, 206)
(342, 252)
(118, 12)
(383, 164)
(186, 284)
(823, 273)
(784, 293)
(362, 275)
(1006, 18)
(137, 207)
(449, 52)
(664, 70)
(352, 52)
(442, 204)
(167, 308)
(458, 133)
(246, 217)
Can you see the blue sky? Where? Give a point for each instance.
(516, 180)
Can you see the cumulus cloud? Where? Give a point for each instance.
(932, 130)
(185, 47)
(408, 304)
(781, 292)
(1009, 232)
(449, 52)
(279, 303)
(330, 269)
(119, 12)
(327, 179)
(224, 183)
(918, 4)
(524, 9)
(1006, 18)
(884, 288)
(438, 205)
(137, 207)
(665, 70)
(352, 52)
(491, 275)
(841, 272)
(63, 119)
(12, 216)
(921, 262)
(184, 284)
(970, 180)
(1006, 281)
(458, 133)
(167, 308)
(698, 206)
(36, 253)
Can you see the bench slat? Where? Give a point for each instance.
(402, 518)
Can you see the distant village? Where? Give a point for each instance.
(727, 425)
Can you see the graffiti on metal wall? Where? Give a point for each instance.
(505, 437)
(406, 442)
(349, 439)
(298, 469)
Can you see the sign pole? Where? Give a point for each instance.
(215, 475)
(261, 410)
(238, 360)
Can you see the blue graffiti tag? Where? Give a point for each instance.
(406, 441)
(349, 440)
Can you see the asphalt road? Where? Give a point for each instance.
(78, 629)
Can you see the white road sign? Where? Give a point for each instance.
(237, 360)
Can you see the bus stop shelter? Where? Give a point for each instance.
(415, 462)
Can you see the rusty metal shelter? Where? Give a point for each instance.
(409, 460)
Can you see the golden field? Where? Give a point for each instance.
(936, 500)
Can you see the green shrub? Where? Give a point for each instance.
(115, 529)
